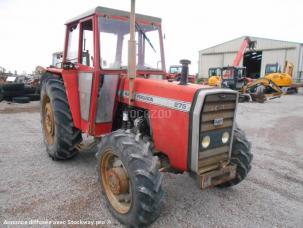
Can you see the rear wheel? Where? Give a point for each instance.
(130, 179)
(60, 135)
(240, 156)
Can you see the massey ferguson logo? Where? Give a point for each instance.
(144, 98)
(161, 101)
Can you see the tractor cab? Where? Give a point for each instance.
(175, 69)
(98, 41)
(96, 54)
(233, 77)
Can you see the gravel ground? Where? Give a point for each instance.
(32, 186)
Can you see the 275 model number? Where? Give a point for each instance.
(179, 105)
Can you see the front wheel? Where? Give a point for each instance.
(240, 156)
(130, 179)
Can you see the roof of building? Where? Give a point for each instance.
(262, 43)
(113, 12)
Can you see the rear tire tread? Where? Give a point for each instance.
(66, 135)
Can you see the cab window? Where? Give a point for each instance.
(87, 52)
(73, 44)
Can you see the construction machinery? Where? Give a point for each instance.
(260, 90)
(282, 79)
(142, 126)
(174, 73)
(214, 76)
(233, 74)
(233, 77)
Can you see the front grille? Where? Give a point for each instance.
(216, 107)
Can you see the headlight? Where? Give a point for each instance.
(205, 141)
(225, 137)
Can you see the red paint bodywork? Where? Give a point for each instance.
(170, 134)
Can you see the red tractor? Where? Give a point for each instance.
(143, 126)
(174, 73)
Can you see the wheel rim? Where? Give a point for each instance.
(49, 122)
(115, 181)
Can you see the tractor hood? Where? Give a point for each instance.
(173, 109)
(172, 95)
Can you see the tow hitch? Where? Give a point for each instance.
(213, 178)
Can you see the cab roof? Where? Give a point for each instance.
(112, 12)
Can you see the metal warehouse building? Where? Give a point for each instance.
(267, 51)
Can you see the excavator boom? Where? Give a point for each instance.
(272, 90)
(247, 43)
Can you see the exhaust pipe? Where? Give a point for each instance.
(184, 72)
(132, 53)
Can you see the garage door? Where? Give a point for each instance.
(208, 61)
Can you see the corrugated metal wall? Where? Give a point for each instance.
(300, 64)
(272, 51)
(279, 56)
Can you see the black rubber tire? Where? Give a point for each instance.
(11, 90)
(1, 94)
(13, 87)
(240, 156)
(33, 97)
(144, 175)
(292, 91)
(66, 136)
(21, 100)
(243, 98)
(29, 90)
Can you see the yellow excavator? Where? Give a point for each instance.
(260, 90)
(282, 79)
(214, 76)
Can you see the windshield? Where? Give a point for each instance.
(227, 73)
(214, 72)
(175, 70)
(230, 73)
(114, 36)
(272, 69)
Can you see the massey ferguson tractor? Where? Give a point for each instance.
(108, 87)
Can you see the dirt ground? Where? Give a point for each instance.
(32, 186)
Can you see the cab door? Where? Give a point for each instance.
(86, 72)
(97, 91)
(81, 72)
